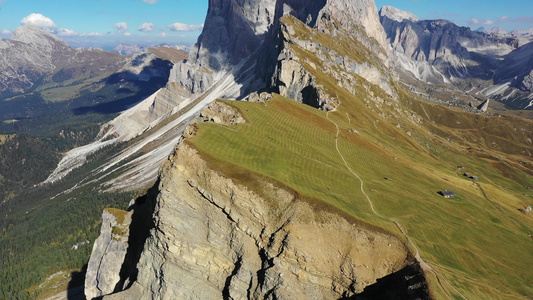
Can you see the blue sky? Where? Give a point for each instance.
(508, 14)
(107, 22)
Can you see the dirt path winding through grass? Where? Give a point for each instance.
(425, 266)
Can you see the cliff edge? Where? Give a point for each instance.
(216, 238)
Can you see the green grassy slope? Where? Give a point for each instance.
(481, 248)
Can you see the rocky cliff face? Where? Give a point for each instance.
(244, 39)
(109, 250)
(438, 50)
(215, 238)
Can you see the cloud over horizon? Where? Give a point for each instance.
(184, 27)
(121, 27)
(41, 21)
(500, 20)
(475, 21)
(48, 24)
(146, 27)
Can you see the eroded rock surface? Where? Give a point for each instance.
(109, 252)
(214, 238)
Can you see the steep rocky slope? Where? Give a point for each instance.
(214, 238)
(440, 52)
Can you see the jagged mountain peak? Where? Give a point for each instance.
(494, 29)
(397, 14)
(33, 34)
(235, 30)
(238, 33)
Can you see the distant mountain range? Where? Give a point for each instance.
(487, 63)
(41, 74)
(33, 55)
(126, 49)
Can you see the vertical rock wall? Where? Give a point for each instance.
(109, 252)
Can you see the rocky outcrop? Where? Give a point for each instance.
(483, 107)
(311, 57)
(214, 238)
(109, 251)
(221, 113)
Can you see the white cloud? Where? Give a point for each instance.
(475, 21)
(503, 18)
(150, 1)
(146, 27)
(184, 27)
(92, 34)
(6, 31)
(68, 32)
(127, 33)
(121, 27)
(41, 21)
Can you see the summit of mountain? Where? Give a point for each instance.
(397, 14)
(33, 34)
(492, 30)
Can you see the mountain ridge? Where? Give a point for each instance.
(440, 52)
(365, 122)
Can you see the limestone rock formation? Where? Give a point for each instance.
(244, 39)
(483, 107)
(294, 74)
(221, 113)
(109, 251)
(438, 51)
(214, 239)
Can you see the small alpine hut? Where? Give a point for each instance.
(447, 194)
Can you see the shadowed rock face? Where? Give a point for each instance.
(247, 32)
(109, 250)
(407, 284)
(232, 32)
